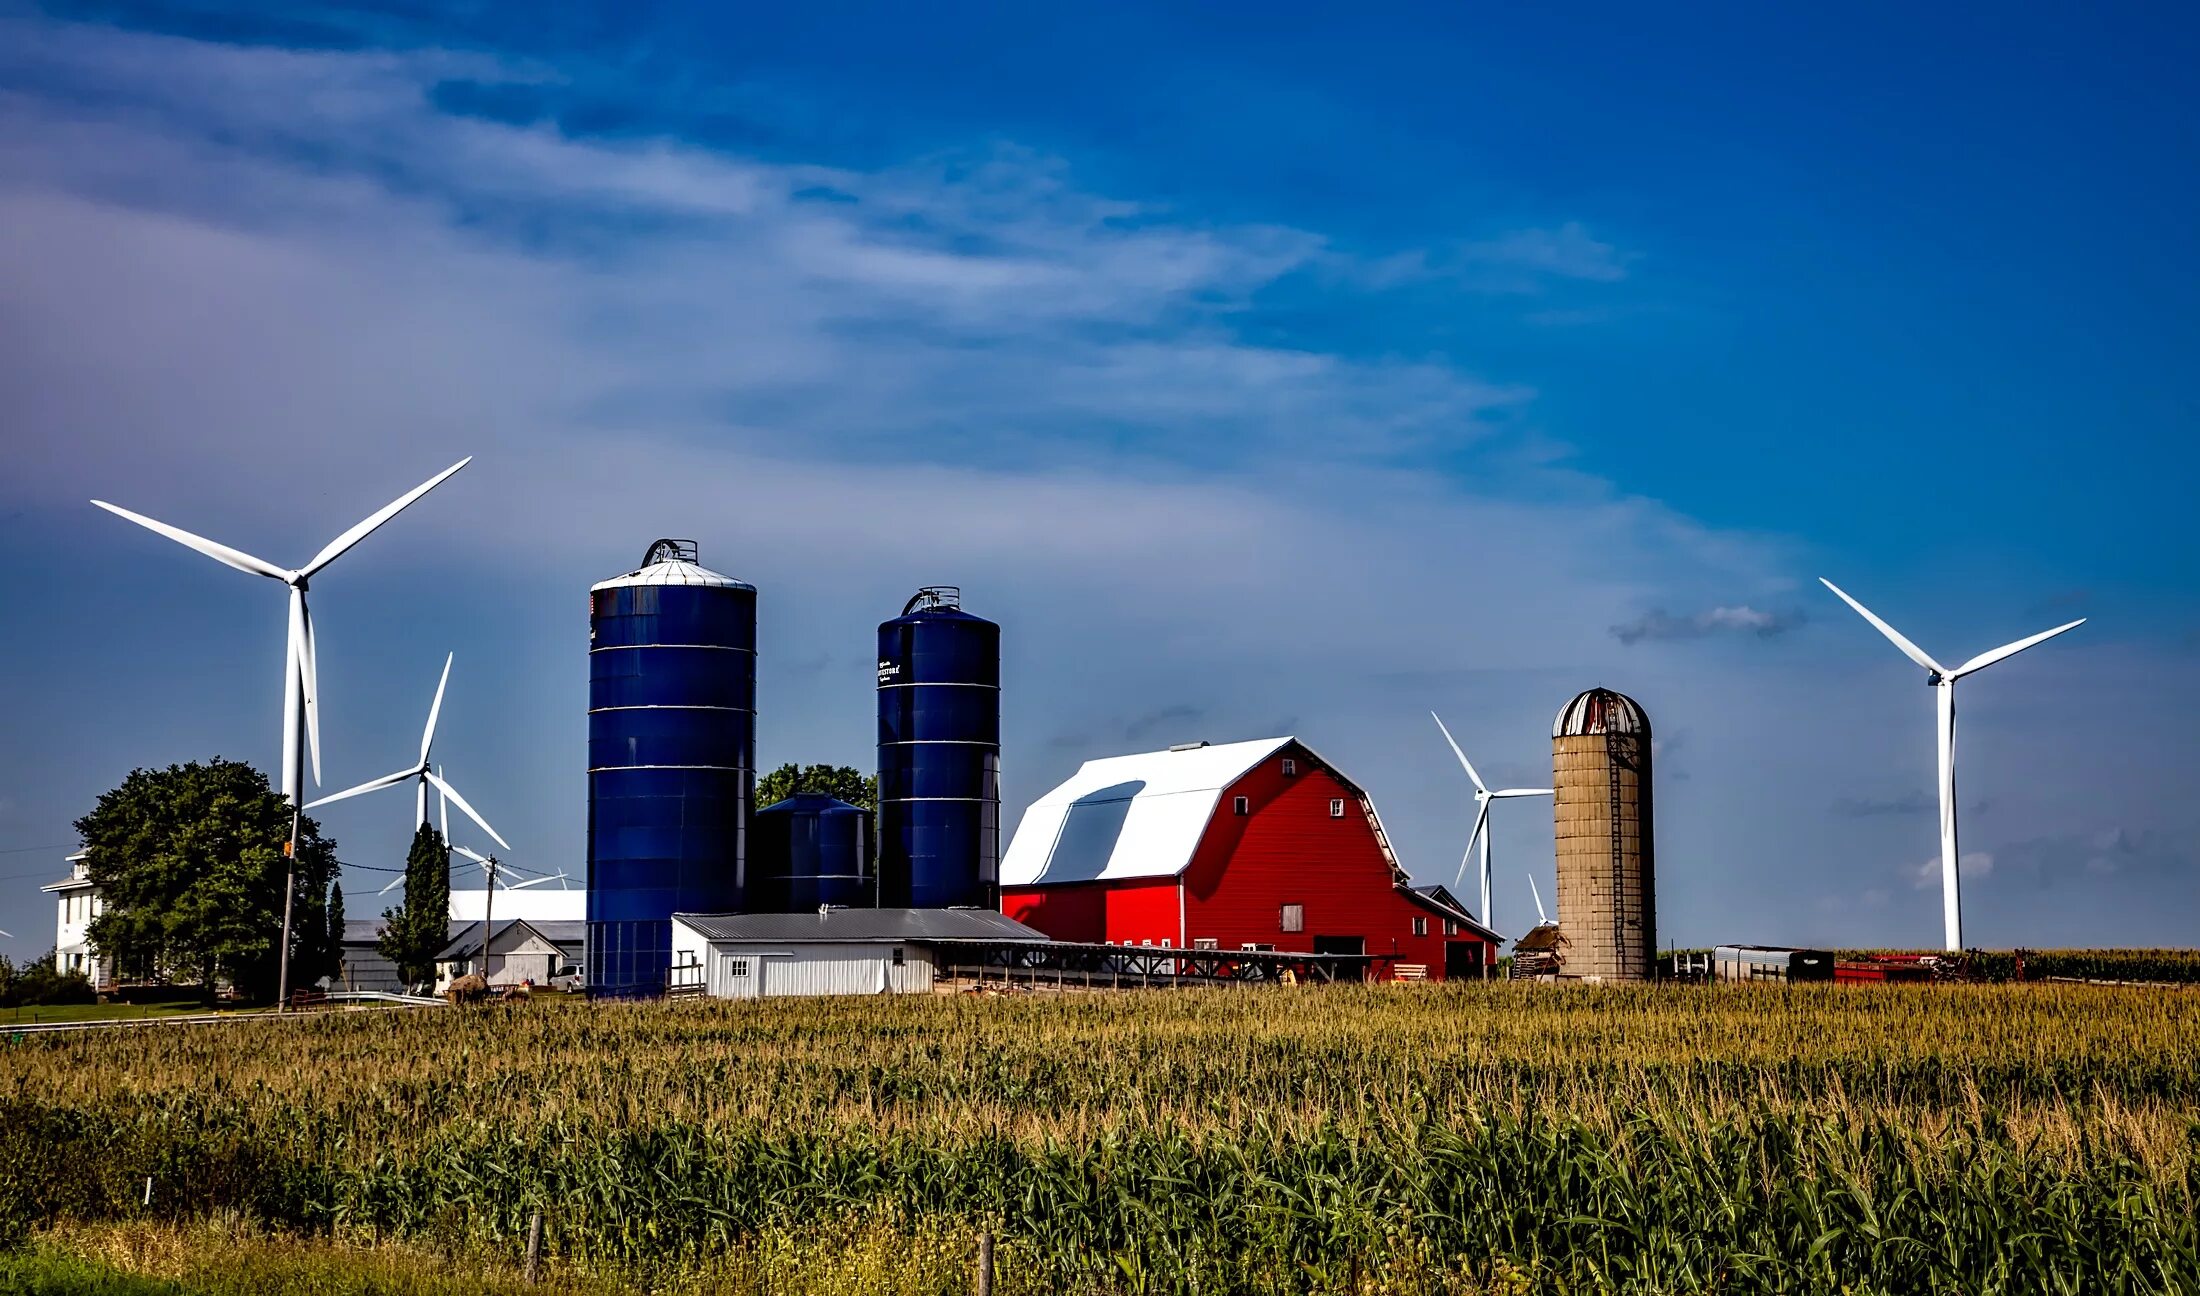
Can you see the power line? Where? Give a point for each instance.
(18, 850)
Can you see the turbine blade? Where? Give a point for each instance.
(1464, 763)
(521, 886)
(1894, 636)
(220, 553)
(360, 532)
(308, 676)
(1986, 659)
(466, 809)
(371, 785)
(1542, 918)
(1521, 792)
(442, 810)
(435, 708)
(395, 883)
(474, 855)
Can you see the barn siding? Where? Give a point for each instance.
(1289, 850)
(1072, 912)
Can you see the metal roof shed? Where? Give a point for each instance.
(832, 951)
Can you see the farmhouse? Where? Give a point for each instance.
(1257, 845)
(76, 903)
(522, 951)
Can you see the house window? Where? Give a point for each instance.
(1336, 808)
(1294, 918)
(1290, 767)
(900, 957)
(1420, 926)
(1241, 805)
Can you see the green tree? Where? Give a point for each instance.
(416, 931)
(850, 785)
(332, 948)
(190, 866)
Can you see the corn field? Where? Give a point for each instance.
(1409, 1139)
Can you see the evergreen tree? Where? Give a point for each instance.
(331, 964)
(190, 865)
(416, 931)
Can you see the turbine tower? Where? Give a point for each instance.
(301, 690)
(1943, 682)
(1482, 797)
(421, 775)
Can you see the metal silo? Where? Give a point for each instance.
(1607, 897)
(671, 758)
(939, 755)
(810, 850)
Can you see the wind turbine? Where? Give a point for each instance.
(301, 690)
(1482, 796)
(421, 775)
(1943, 682)
(1542, 919)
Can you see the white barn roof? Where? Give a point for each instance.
(1126, 817)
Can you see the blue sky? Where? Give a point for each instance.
(1258, 370)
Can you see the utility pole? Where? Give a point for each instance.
(290, 886)
(488, 912)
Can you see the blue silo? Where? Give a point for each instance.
(939, 755)
(671, 758)
(809, 850)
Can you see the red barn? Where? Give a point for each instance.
(1250, 845)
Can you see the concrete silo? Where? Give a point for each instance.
(1607, 894)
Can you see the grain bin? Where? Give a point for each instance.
(1607, 895)
(807, 851)
(939, 753)
(671, 758)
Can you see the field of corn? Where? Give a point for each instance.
(1409, 1139)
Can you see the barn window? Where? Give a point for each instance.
(1205, 942)
(1336, 807)
(738, 967)
(1450, 928)
(1241, 805)
(1294, 918)
(900, 957)
(1290, 767)
(1420, 926)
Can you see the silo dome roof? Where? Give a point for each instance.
(1600, 711)
(672, 562)
(672, 573)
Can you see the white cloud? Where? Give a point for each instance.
(1970, 865)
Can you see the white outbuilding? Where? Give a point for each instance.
(831, 951)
